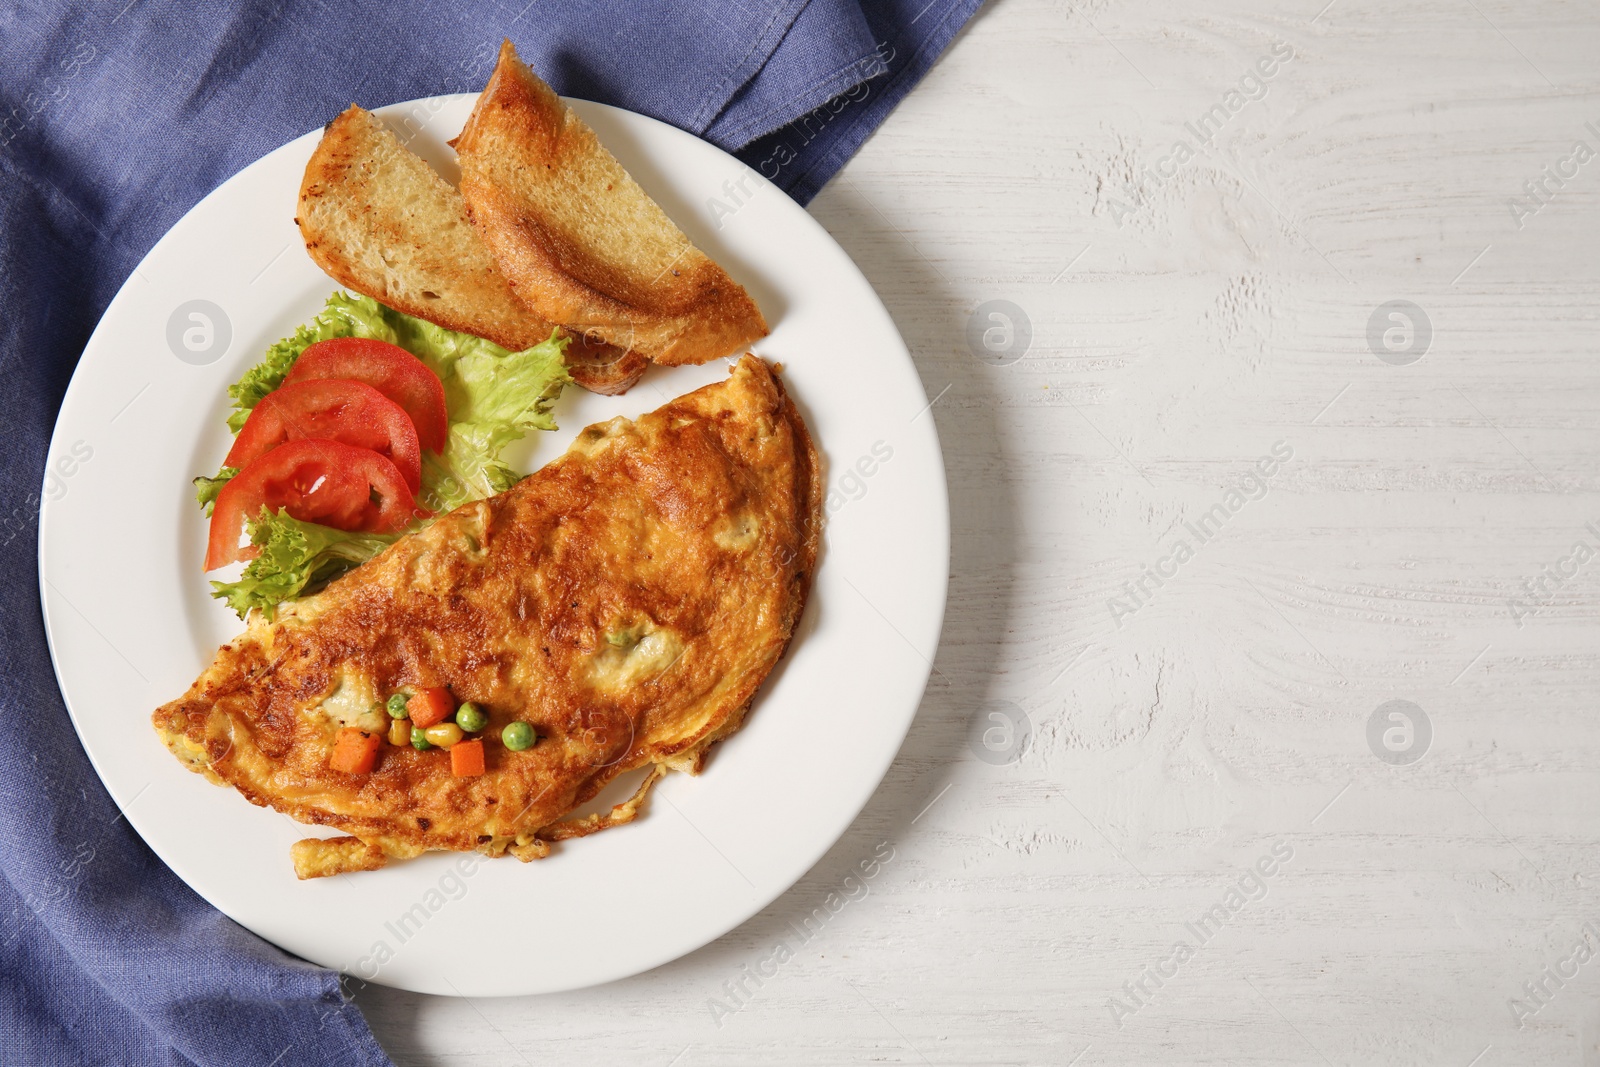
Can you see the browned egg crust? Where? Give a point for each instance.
(626, 600)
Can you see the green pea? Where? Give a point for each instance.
(397, 706)
(419, 739)
(471, 718)
(518, 736)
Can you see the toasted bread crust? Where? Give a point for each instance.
(602, 368)
(380, 221)
(580, 242)
(421, 257)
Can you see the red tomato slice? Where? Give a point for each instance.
(389, 369)
(325, 482)
(331, 409)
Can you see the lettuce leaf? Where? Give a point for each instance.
(206, 489)
(343, 316)
(297, 559)
(493, 396)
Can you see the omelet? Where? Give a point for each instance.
(626, 601)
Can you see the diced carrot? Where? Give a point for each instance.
(466, 759)
(429, 707)
(355, 752)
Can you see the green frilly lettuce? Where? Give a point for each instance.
(297, 558)
(492, 396)
(206, 489)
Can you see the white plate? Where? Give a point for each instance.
(131, 624)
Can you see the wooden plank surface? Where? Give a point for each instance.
(1180, 733)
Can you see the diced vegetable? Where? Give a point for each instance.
(444, 735)
(466, 759)
(399, 732)
(471, 718)
(431, 706)
(355, 751)
(518, 736)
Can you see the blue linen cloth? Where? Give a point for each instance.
(114, 120)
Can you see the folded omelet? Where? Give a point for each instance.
(626, 601)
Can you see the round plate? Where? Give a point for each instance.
(131, 624)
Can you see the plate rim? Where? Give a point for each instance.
(78, 386)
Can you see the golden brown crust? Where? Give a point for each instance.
(619, 815)
(580, 242)
(381, 222)
(323, 857)
(627, 600)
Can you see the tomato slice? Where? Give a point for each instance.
(332, 409)
(389, 369)
(325, 482)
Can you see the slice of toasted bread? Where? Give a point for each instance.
(378, 219)
(581, 243)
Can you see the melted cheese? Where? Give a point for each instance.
(596, 437)
(738, 532)
(353, 702)
(630, 657)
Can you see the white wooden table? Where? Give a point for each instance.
(1180, 733)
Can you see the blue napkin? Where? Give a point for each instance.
(114, 120)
